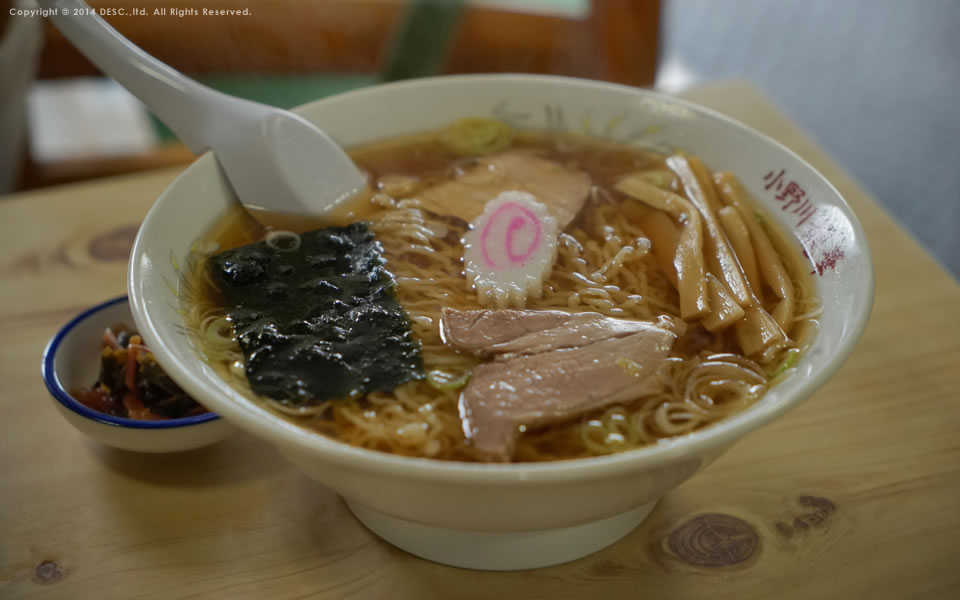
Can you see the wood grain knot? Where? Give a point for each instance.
(714, 540)
(784, 529)
(821, 504)
(821, 509)
(47, 571)
(113, 245)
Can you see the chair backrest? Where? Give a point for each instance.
(617, 41)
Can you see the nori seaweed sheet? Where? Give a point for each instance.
(319, 322)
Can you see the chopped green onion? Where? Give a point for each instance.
(447, 382)
(476, 136)
(791, 359)
(630, 367)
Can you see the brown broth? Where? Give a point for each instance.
(424, 157)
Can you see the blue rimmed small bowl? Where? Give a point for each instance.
(72, 360)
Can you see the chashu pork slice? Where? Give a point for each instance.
(507, 333)
(563, 191)
(556, 386)
(477, 330)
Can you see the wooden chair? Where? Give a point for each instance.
(616, 41)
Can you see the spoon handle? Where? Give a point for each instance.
(180, 102)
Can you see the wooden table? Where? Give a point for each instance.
(856, 494)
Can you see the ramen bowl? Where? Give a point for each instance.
(522, 515)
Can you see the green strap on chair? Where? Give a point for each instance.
(419, 47)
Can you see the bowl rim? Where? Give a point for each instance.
(724, 433)
(52, 380)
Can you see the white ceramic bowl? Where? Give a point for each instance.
(494, 516)
(72, 360)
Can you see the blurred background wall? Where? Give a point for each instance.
(875, 82)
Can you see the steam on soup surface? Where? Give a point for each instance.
(508, 296)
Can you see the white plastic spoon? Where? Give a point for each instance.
(275, 160)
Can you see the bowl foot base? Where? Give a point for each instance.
(500, 551)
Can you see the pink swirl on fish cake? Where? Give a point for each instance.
(518, 219)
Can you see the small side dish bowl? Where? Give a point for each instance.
(520, 515)
(71, 360)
